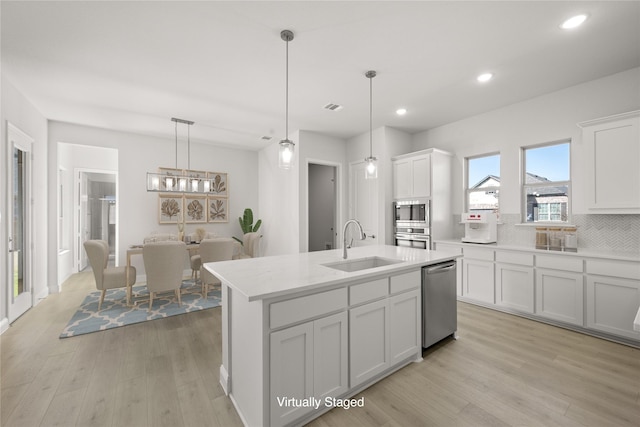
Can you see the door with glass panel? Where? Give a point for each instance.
(20, 293)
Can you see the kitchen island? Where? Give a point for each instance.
(303, 333)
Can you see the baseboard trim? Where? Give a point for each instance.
(4, 325)
(224, 379)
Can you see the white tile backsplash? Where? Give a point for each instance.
(618, 233)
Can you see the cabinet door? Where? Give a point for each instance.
(478, 280)
(330, 350)
(612, 304)
(402, 179)
(560, 295)
(421, 176)
(405, 327)
(368, 341)
(514, 287)
(612, 153)
(291, 371)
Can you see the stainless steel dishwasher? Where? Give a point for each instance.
(439, 305)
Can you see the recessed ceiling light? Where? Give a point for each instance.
(401, 111)
(483, 78)
(573, 22)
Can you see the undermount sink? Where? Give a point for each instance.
(358, 264)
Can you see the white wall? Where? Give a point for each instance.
(547, 118)
(279, 204)
(321, 149)
(137, 155)
(16, 109)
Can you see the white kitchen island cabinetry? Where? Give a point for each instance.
(296, 331)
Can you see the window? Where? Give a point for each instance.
(546, 183)
(483, 183)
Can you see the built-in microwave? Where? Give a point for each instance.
(411, 211)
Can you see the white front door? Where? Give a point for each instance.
(363, 204)
(19, 291)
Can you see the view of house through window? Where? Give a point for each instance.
(483, 183)
(546, 183)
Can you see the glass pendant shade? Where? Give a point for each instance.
(286, 154)
(371, 169)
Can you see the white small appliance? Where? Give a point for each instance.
(480, 227)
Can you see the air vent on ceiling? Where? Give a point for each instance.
(333, 107)
(266, 138)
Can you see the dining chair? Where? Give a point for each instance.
(195, 260)
(164, 264)
(211, 250)
(106, 277)
(250, 246)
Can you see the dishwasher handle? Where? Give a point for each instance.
(440, 268)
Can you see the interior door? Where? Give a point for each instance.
(20, 245)
(363, 206)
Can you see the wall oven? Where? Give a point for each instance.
(411, 223)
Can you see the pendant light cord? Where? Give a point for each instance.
(176, 144)
(189, 147)
(286, 108)
(371, 116)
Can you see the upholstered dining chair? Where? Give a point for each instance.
(250, 246)
(106, 277)
(164, 264)
(211, 250)
(196, 261)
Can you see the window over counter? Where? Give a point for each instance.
(483, 182)
(546, 187)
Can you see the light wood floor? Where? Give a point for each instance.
(504, 370)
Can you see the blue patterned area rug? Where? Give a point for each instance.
(116, 313)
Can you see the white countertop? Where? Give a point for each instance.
(585, 253)
(267, 277)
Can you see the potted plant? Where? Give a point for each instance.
(246, 223)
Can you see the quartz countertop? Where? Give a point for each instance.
(267, 277)
(585, 253)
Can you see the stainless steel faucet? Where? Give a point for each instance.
(344, 235)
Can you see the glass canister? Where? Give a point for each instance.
(556, 240)
(570, 239)
(542, 238)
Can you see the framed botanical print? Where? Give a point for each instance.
(195, 209)
(219, 183)
(169, 182)
(217, 209)
(169, 208)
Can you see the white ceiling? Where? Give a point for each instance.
(131, 66)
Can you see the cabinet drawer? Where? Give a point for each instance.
(294, 310)
(405, 282)
(478, 253)
(624, 269)
(368, 291)
(559, 262)
(519, 258)
(448, 247)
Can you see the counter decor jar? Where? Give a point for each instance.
(570, 239)
(556, 240)
(542, 238)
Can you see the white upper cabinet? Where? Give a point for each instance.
(612, 153)
(412, 176)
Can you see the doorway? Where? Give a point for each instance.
(322, 206)
(20, 295)
(96, 206)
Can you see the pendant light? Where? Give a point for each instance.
(181, 182)
(371, 170)
(286, 146)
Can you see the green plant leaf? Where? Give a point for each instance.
(257, 226)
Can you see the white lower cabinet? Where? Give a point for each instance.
(369, 336)
(405, 317)
(307, 360)
(514, 287)
(560, 295)
(612, 304)
(478, 280)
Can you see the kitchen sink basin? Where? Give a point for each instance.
(358, 264)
